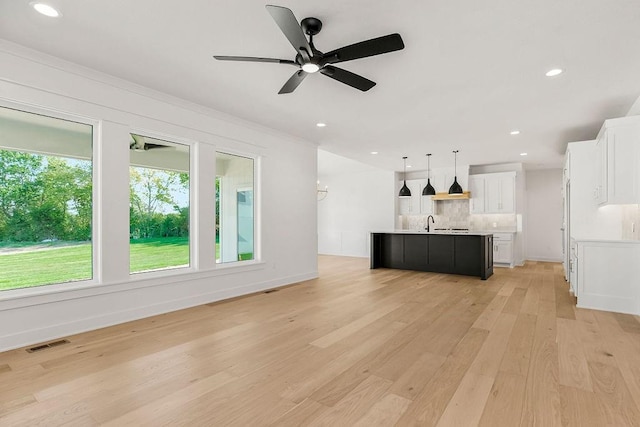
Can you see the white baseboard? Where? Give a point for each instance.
(544, 259)
(52, 332)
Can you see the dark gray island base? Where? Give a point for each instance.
(467, 254)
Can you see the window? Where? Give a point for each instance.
(45, 200)
(235, 211)
(159, 204)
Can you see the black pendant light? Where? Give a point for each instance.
(404, 191)
(455, 187)
(429, 190)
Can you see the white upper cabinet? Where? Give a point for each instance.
(617, 162)
(417, 204)
(502, 190)
(411, 205)
(476, 188)
(442, 178)
(600, 189)
(493, 193)
(427, 207)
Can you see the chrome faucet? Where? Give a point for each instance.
(430, 217)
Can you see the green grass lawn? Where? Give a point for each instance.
(151, 254)
(59, 264)
(42, 267)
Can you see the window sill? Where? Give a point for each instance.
(16, 298)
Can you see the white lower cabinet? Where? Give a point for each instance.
(608, 275)
(503, 249)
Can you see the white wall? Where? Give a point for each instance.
(288, 225)
(544, 215)
(635, 108)
(360, 200)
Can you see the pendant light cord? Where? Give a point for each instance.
(455, 162)
(428, 167)
(404, 170)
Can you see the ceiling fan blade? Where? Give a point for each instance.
(293, 82)
(151, 146)
(377, 46)
(253, 59)
(138, 142)
(347, 77)
(289, 25)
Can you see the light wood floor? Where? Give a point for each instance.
(356, 347)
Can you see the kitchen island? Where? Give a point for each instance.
(469, 254)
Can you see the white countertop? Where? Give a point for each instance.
(630, 242)
(439, 232)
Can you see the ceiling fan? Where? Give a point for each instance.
(310, 60)
(140, 144)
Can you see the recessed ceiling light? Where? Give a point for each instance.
(45, 9)
(523, 154)
(321, 125)
(515, 132)
(408, 166)
(374, 152)
(553, 72)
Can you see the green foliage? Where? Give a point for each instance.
(50, 198)
(153, 193)
(44, 197)
(218, 179)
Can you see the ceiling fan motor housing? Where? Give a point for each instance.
(311, 26)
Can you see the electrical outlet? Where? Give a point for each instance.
(494, 224)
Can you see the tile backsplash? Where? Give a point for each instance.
(494, 222)
(455, 214)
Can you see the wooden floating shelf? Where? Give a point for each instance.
(446, 196)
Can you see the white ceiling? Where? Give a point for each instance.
(470, 72)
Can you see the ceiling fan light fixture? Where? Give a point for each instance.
(310, 67)
(554, 72)
(45, 9)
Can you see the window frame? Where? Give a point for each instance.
(96, 200)
(194, 239)
(35, 295)
(257, 208)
